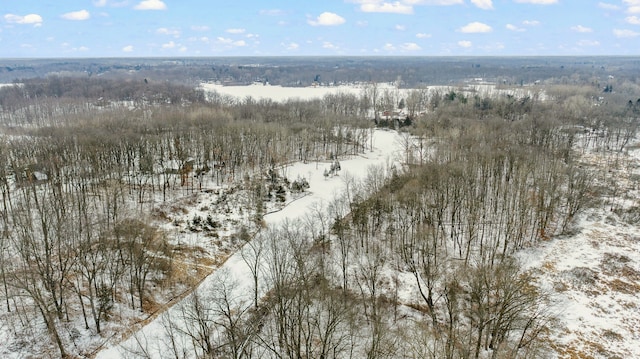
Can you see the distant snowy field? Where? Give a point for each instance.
(281, 94)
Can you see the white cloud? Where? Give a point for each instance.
(483, 4)
(231, 42)
(580, 28)
(475, 27)
(327, 19)
(128, 48)
(384, 7)
(151, 5)
(169, 45)
(531, 22)
(389, 47)
(590, 43)
(362, 23)
(422, 35)
(537, 2)
(400, 27)
(514, 28)
(607, 6)
(410, 46)
(31, 19)
(464, 43)
(633, 9)
(625, 34)
(77, 15)
(166, 31)
(235, 31)
(290, 46)
(329, 45)
(633, 20)
(68, 48)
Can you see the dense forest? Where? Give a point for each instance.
(91, 165)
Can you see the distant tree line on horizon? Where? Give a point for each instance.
(303, 71)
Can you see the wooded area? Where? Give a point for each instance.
(88, 162)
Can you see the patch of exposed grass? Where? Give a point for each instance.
(582, 349)
(549, 266)
(611, 335)
(612, 263)
(620, 286)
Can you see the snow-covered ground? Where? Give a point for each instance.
(386, 151)
(593, 275)
(280, 94)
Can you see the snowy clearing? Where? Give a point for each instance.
(281, 94)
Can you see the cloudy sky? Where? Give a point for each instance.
(136, 28)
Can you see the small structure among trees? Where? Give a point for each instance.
(333, 170)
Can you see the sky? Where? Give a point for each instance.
(180, 28)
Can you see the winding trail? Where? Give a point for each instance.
(386, 149)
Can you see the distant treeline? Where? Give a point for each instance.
(302, 71)
(95, 90)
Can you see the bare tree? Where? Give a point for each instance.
(140, 246)
(252, 254)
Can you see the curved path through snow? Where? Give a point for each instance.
(386, 149)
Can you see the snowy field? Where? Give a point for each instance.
(322, 190)
(280, 94)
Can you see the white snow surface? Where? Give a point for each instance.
(592, 276)
(386, 151)
(279, 93)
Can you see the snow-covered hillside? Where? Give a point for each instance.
(593, 275)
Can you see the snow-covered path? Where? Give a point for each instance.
(386, 150)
